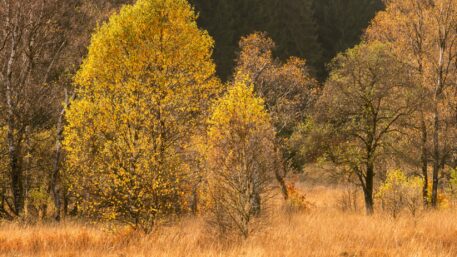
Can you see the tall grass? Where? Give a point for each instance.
(322, 231)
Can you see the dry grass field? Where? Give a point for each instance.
(321, 231)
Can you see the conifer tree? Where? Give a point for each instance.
(341, 23)
(292, 27)
(290, 23)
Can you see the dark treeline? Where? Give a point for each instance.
(314, 30)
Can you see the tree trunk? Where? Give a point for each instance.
(436, 156)
(368, 189)
(369, 203)
(436, 125)
(53, 185)
(65, 201)
(424, 160)
(14, 160)
(255, 204)
(194, 202)
(56, 169)
(282, 185)
(16, 180)
(255, 200)
(281, 165)
(27, 165)
(13, 148)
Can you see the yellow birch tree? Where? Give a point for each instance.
(240, 157)
(142, 91)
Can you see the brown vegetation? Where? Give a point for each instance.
(323, 230)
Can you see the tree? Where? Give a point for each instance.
(32, 41)
(141, 93)
(364, 99)
(424, 36)
(240, 157)
(287, 88)
(49, 39)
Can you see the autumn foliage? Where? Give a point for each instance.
(240, 139)
(142, 91)
(124, 129)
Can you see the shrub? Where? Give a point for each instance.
(399, 192)
(348, 199)
(296, 202)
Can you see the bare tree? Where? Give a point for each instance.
(31, 46)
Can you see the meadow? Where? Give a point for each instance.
(322, 230)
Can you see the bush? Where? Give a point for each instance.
(348, 199)
(399, 192)
(296, 202)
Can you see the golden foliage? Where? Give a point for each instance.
(142, 92)
(240, 157)
(287, 88)
(399, 192)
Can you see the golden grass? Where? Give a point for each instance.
(323, 231)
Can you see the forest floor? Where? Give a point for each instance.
(324, 230)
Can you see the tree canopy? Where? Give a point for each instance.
(141, 92)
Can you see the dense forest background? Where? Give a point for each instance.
(312, 29)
